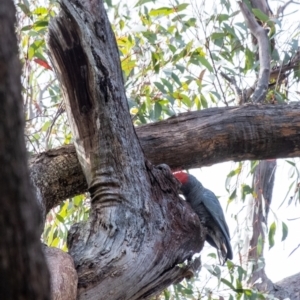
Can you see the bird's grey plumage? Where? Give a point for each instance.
(207, 206)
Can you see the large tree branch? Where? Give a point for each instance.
(190, 140)
(139, 229)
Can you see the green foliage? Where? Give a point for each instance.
(285, 231)
(62, 217)
(272, 232)
(235, 280)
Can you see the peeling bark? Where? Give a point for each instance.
(263, 182)
(139, 229)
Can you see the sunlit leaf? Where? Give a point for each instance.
(235, 172)
(260, 15)
(128, 65)
(285, 231)
(272, 231)
(163, 11)
(46, 125)
(134, 110)
(260, 245)
(40, 11)
(55, 242)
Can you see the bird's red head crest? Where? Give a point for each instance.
(181, 176)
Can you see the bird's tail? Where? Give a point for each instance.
(219, 243)
(222, 254)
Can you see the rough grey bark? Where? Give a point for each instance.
(139, 229)
(287, 288)
(57, 175)
(23, 270)
(232, 133)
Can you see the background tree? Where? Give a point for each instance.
(186, 75)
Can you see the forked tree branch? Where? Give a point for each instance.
(139, 229)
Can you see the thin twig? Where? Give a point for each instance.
(216, 72)
(281, 72)
(294, 250)
(241, 96)
(293, 219)
(59, 111)
(239, 99)
(281, 8)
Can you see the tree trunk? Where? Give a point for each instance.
(263, 182)
(139, 229)
(23, 271)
